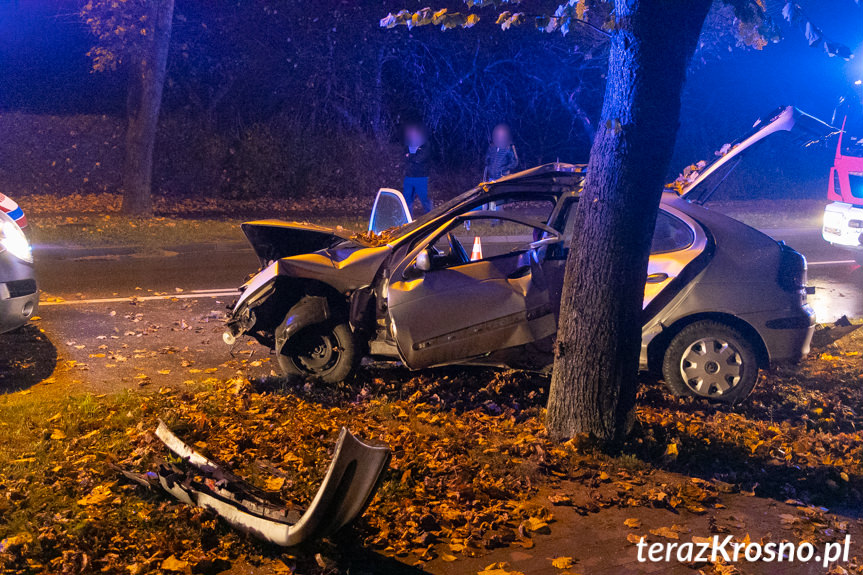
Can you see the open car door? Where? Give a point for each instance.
(446, 305)
(389, 211)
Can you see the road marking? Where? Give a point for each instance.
(190, 295)
(833, 263)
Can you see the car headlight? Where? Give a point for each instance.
(13, 240)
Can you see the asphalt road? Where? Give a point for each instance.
(120, 319)
(837, 279)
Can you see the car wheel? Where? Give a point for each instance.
(712, 360)
(325, 351)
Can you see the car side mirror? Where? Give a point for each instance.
(423, 262)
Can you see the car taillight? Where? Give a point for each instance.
(792, 270)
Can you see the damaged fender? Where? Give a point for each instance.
(308, 311)
(346, 491)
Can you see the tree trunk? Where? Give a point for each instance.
(146, 80)
(594, 382)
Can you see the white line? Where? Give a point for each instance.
(833, 263)
(140, 298)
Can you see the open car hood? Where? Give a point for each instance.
(276, 239)
(806, 129)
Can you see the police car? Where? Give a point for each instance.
(19, 295)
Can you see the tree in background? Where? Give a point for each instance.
(135, 34)
(594, 382)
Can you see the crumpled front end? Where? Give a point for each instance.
(255, 292)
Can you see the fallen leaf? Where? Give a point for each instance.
(174, 564)
(100, 494)
(501, 568)
(275, 483)
(666, 532)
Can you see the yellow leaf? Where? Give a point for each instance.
(275, 483)
(632, 523)
(502, 568)
(58, 434)
(174, 564)
(634, 539)
(665, 532)
(562, 562)
(447, 557)
(560, 499)
(536, 525)
(100, 494)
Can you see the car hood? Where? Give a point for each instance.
(276, 239)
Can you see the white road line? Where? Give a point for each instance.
(833, 263)
(193, 295)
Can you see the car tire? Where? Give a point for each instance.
(327, 351)
(711, 360)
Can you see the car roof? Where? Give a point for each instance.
(559, 173)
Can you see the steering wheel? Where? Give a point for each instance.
(457, 249)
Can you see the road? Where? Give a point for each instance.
(120, 319)
(837, 279)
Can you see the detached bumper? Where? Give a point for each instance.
(347, 489)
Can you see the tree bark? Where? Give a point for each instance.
(144, 98)
(594, 381)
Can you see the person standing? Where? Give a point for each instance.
(417, 158)
(501, 158)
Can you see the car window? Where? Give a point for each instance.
(389, 211)
(535, 208)
(481, 238)
(670, 234)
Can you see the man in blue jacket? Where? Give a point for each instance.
(417, 158)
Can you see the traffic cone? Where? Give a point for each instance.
(476, 254)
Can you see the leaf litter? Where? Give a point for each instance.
(470, 456)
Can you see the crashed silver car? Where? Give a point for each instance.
(464, 285)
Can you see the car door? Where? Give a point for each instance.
(463, 307)
(390, 210)
(677, 241)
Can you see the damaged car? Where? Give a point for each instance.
(463, 285)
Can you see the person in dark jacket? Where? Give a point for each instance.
(501, 158)
(417, 158)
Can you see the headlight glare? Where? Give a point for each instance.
(13, 240)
